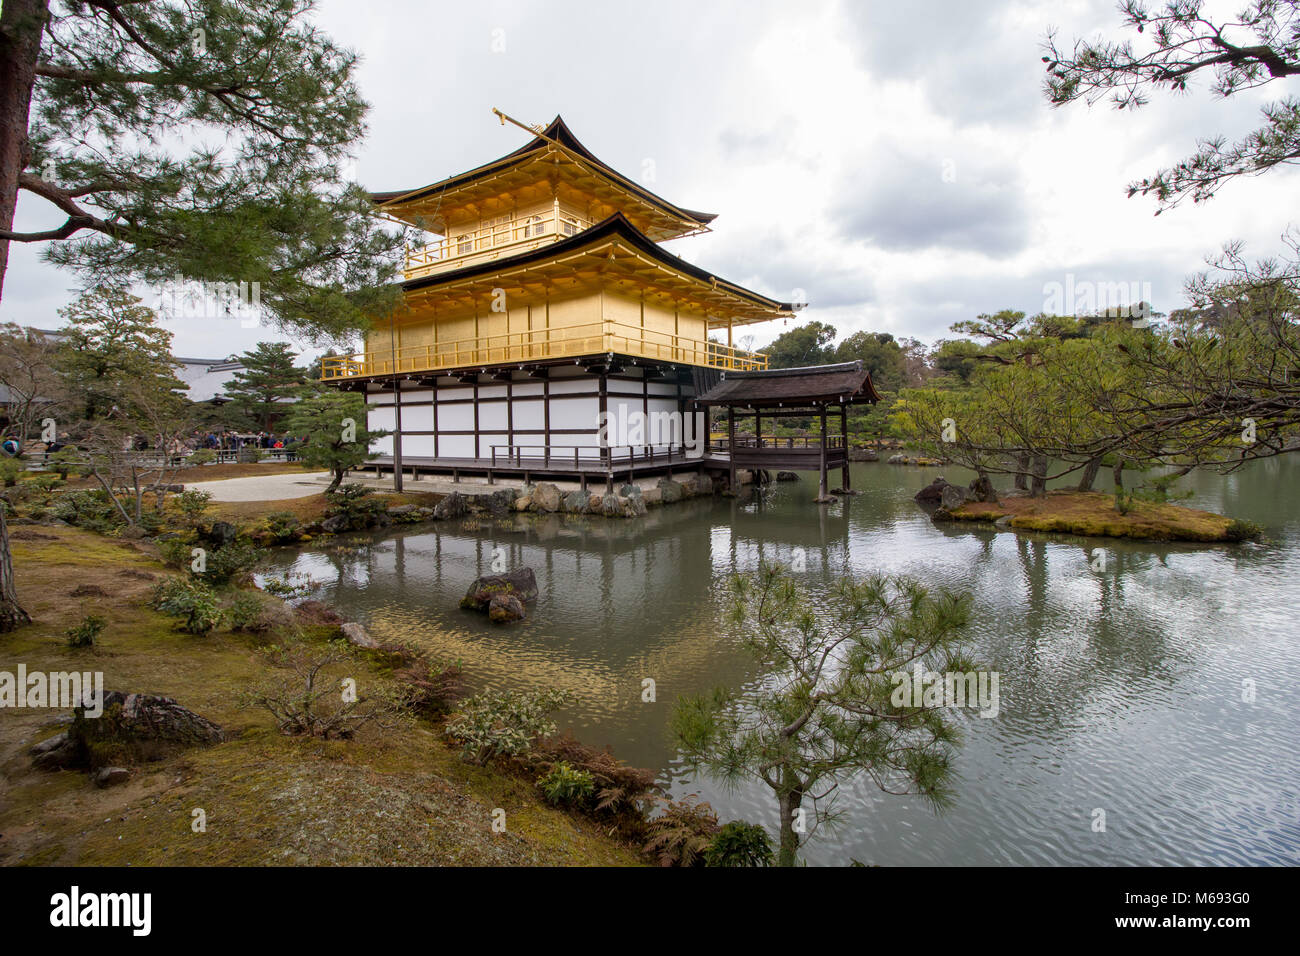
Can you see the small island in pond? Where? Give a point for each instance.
(1095, 514)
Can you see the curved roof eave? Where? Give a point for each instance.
(558, 131)
(616, 224)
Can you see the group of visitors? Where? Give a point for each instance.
(233, 441)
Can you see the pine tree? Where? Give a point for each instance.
(268, 378)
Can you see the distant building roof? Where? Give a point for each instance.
(847, 383)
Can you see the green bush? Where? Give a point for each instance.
(84, 633)
(248, 611)
(191, 601)
(203, 456)
(220, 565)
(45, 481)
(739, 844)
(357, 507)
(231, 561)
(497, 725)
(10, 468)
(1239, 530)
(564, 786)
(91, 510)
(192, 505)
(282, 527)
(68, 460)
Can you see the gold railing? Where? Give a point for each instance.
(514, 235)
(542, 344)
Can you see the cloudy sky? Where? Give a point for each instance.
(896, 165)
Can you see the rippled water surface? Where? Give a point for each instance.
(1119, 690)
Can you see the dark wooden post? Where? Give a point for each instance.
(845, 482)
(822, 496)
(731, 446)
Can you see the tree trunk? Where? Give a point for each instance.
(1118, 473)
(1022, 478)
(1038, 487)
(790, 803)
(21, 26)
(1089, 474)
(12, 615)
(338, 480)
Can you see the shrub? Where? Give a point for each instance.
(281, 527)
(191, 601)
(229, 562)
(739, 844)
(304, 696)
(1239, 530)
(248, 611)
(45, 481)
(83, 634)
(621, 790)
(290, 585)
(435, 686)
(68, 460)
(494, 725)
(356, 507)
(681, 834)
(91, 510)
(203, 456)
(192, 504)
(10, 468)
(565, 786)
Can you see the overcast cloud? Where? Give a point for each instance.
(895, 162)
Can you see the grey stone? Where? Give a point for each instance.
(671, 491)
(546, 497)
(52, 743)
(952, 497)
(222, 533)
(982, 489)
(505, 609)
(111, 776)
(334, 524)
(521, 582)
(786, 476)
(356, 634)
(455, 505)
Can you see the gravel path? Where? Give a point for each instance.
(264, 487)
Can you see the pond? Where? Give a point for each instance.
(1120, 690)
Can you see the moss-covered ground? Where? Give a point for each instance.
(398, 795)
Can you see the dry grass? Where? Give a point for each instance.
(389, 797)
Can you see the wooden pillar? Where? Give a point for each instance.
(845, 481)
(822, 496)
(731, 446)
(397, 435)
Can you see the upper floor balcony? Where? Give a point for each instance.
(494, 239)
(540, 345)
